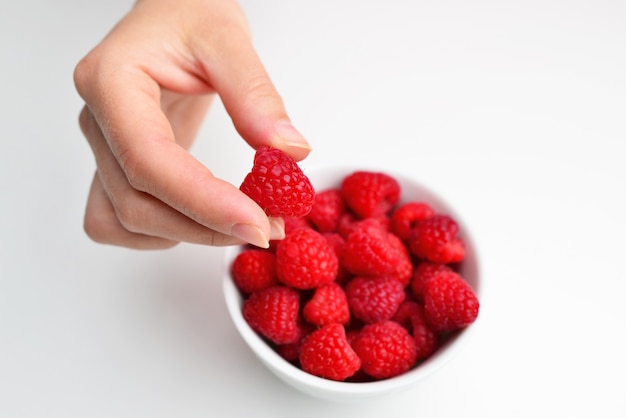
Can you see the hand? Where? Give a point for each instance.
(147, 87)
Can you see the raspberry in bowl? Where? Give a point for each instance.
(380, 263)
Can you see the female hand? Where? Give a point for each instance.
(147, 87)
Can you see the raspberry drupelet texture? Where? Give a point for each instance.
(435, 239)
(411, 316)
(403, 270)
(254, 270)
(349, 222)
(326, 353)
(374, 299)
(424, 272)
(273, 313)
(291, 351)
(337, 243)
(406, 216)
(449, 302)
(426, 339)
(370, 194)
(305, 260)
(386, 349)
(278, 185)
(329, 305)
(368, 251)
(327, 210)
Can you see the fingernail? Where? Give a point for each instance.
(290, 136)
(277, 226)
(251, 234)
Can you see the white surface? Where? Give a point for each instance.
(512, 110)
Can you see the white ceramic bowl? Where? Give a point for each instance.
(412, 190)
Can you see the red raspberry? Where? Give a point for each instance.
(373, 299)
(403, 270)
(254, 270)
(352, 334)
(337, 243)
(349, 222)
(305, 260)
(278, 185)
(368, 251)
(291, 224)
(327, 210)
(424, 272)
(449, 302)
(386, 349)
(405, 311)
(291, 351)
(434, 239)
(426, 339)
(370, 194)
(410, 315)
(273, 313)
(404, 218)
(346, 224)
(328, 305)
(326, 353)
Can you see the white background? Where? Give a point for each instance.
(513, 111)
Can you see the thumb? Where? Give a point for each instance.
(249, 96)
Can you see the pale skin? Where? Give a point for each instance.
(147, 87)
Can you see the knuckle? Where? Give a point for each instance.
(261, 91)
(95, 73)
(124, 225)
(95, 228)
(132, 164)
(83, 73)
(105, 233)
(131, 215)
(85, 120)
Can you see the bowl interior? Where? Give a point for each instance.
(411, 190)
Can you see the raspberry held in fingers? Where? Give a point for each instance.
(278, 185)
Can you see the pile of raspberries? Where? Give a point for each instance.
(362, 287)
